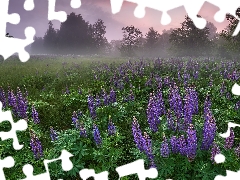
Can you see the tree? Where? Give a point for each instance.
(99, 31)
(189, 40)
(74, 36)
(152, 37)
(131, 41)
(50, 39)
(232, 43)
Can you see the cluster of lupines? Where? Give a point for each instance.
(143, 143)
(237, 151)
(53, 134)
(209, 130)
(36, 145)
(35, 117)
(18, 102)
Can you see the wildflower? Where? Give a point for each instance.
(111, 127)
(182, 145)
(191, 142)
(112, 96)
(148, 150)
(96, 135)
(53, 134)
(164, 148)
(36, 145)
(237, 151)
(83, 132)
(209, 131)
(215, 150)
(137, 134)
(35, 117)
(229, 140)
(174, 144)
(3, 98)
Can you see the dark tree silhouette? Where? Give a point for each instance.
(131, 40)
(188, 40)
(50, 39)
(232, 43)
(152, 37)
(73, 36)
(99, 31)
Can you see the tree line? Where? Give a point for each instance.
(77, 36)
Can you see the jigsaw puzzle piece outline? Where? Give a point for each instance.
(137, 167)
(13, 18)
(29, 5)
(87, 173)
(21, 125)
(7, 162)
(67, 165)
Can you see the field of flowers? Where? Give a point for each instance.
(110, 112)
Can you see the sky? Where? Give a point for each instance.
(91, 10)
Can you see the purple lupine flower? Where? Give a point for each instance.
(229, 140)
(228, 95)
(79, 114)
(191, 143)
(98, 101)
(75, 119)
(194, 97)
(3, 98)
(148, 150)
(164, 148)
(53, 134)
(83, 132)
(137, 134)
(153, 119)
(170, 121)
(96, 135)
(111, 127)
(209, 130)
(174, 144)
(223, 88)
(22, 104)
(182, 145)
(92, 107)
(214, 151)
(36, 145)
(237, 105)
(105, 98)
(237, 151)
(35, 117)
(175, 101)
(112, 96)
